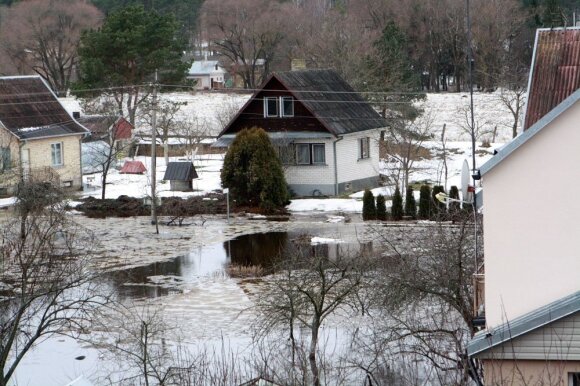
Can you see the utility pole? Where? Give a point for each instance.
(470, 75)
(154, 157)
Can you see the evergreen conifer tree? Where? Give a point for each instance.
(253, 172)
(369, 208)
(397, 208)
(381, 208)
(425, 202)
(438, 208)
(454, 206)
(410, 204)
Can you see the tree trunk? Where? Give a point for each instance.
(312, 354)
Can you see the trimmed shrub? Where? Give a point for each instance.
(410, 204)
(253, 172)
(454, 206)
(381, 208)
(369, 208)
(425, 202)
(397, 208)
(438, 208)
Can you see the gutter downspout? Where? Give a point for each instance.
(336, 165)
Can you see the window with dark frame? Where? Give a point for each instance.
(287, 104)
(574, 379)
(56, 154)
(270, 107)
(364, 148)
(310, 154)
(5, 159)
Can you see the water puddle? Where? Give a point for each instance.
(262, 250)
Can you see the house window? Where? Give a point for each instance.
(287, 104)
(364, 147)
(5, 160)
(574, 379)
(310, 154)
(270, 107)
(56, 154)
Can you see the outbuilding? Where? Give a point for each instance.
(180, 175)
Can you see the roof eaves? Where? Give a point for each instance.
(226, 128)
(521, 139)
(531, 321)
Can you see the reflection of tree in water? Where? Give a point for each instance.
(267, 249)
(260, 249)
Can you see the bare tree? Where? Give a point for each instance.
(309, 289)
(514, 99)
(42, 36)
(247, 33)
(168, 117)
(403, 143)
(45, 269)
(428, 294)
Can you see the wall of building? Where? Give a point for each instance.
(531, 222)
(529, 372)
(311, 180)
(9, 177)
(40, 158)
(557, 341)
(351, 168)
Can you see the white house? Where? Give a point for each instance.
(531, 227)
(208, 74)
(327, 135)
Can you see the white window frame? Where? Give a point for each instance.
(311, 147)
(53, 147)
(267, 111)
(362, 143)
(283, 110)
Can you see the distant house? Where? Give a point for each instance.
(102, 127)
(326, 134)
(531, 228)
(37, 135)
(180, 176)
(208, 74)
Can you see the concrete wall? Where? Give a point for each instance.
(528, 372)
(531, 222)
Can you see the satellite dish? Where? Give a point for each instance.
(465, 177)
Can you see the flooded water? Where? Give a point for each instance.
(262, 250)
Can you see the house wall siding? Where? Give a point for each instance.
(351, 168)
(528, 372)
(558, 341)
(40, 157)
(304, 180)
(531, 222)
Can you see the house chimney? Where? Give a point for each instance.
(297, 64)
(76, 114)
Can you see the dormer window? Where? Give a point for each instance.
(287, 104)
(278, 106)
(270, 107)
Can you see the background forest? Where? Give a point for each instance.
(376, 45)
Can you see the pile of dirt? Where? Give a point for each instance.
(125, 206)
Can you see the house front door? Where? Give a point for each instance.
(25, 163)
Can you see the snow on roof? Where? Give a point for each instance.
(206, 67)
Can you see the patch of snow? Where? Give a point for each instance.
(325, 205)
(324, 240)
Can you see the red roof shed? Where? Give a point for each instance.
(133, 167)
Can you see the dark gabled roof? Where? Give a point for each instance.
(29, 109)
(555, 72)
(538, 318)
(336, 105)
(341, 109)
(181, 171)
